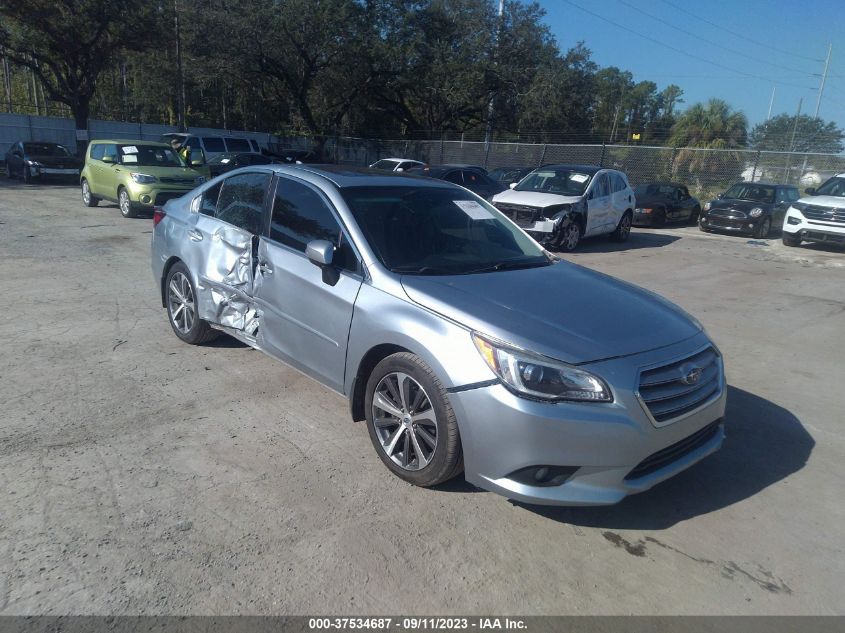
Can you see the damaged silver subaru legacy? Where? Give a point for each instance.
(462, 343)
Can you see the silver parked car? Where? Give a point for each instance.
(462, 343)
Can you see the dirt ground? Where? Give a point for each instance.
(139, 475)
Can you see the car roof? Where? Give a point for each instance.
(402, 160)
(765, 184)
(661, 183)
(346, 176)
(592, 169)
(130, 142)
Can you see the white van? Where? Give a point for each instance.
(211, 146)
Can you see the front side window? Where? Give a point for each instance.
(562, 181)
(600, 188)
(241, 200)
(97, 150)
(439, 231)
(833, 187)
(208, 202)
(455, 177)
(301, 215)
(110, 151)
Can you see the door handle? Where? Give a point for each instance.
(116, 169)
(265, 268)
(195, 235)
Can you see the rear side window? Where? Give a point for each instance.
(208, 203)
(213, 144)
(254, 145)
(300, 215)
(97, 151)
(241, 201)
(618, 182)
(238, 145)
(455, 177)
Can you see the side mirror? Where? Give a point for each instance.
(320, 252)
(108, 159)
(512, 185)
(720, 196)
(810, 191)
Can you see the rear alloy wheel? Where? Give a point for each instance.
(410, 422)
(764, 228)
(569, 235)
(790, 239)
(182, 307)
(126, 208)
(623, 229)
(87, 197)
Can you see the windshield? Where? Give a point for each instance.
(833, 187)
(654, 190)
(757, 193)
(45, 149)
(566, 182)
(388, 165)
(439, 231)
(222, 159)
(150, 156)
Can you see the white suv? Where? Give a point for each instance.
(818, 217)
(560, 204)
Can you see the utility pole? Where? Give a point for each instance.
(824, 78)
(771, 103)
(792, 142)
(180, 80)
(491, 106)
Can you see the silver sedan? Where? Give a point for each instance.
(462, 343)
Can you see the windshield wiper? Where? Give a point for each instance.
(421, 270)
(511, 265)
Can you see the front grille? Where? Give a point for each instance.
(670, 391)
(728, 213)
(521, 214)
(161, 198)
(178, 181)
(824, 214)
(666, 456)
(725, 223)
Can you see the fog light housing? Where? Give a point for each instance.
(793, 220)
(145, 199)
(544, 476)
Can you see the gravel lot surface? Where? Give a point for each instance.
(139, 475)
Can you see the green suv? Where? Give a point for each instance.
(137, 174)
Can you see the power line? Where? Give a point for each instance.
(683, 52)
(721, 46)
(744, 36)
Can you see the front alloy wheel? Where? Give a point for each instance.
(410, 421)
(126, 208)
(570, 236)
(182, 308)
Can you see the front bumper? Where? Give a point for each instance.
(53, 172)
(744, 226)
(155, 194)
(503, 433)
(645, 219)
(813, 230)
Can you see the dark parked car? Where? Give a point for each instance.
(510, 175)
(662, 202)
(222, 163)
(297, 156)
(31, 160)
(467, 176)
(750, 208)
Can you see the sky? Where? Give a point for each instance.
(735, 50)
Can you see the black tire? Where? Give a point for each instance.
(199, 331)
(660, 218)
(88, 199)
(27, 175)
(446, 459)
(568, 235)
(790, 239)
(9, 173)
(693, 218)
(764, 229)
(127, 209)
(623, 229)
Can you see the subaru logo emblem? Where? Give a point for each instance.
(690, 374)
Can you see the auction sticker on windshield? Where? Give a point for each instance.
(473, 209)
(579, 177)
(130, 149)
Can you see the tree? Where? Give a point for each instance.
(69, 43)
(712, 126)
(811, 135)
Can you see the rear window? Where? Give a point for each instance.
(238, 145)
(213, 144)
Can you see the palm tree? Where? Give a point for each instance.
(709, 137)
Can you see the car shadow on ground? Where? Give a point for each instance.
(765, 443)
(636, 241)
(821, 247)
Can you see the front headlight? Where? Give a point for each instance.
(34, 163)
(756, 212)
(799, 206)
(199, 180)
(541, 377)
(142, 179)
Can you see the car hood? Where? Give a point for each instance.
(534, 198)
(55, 161)
(825, 201)
(164, 172)
(563, 311)
(739, 205)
